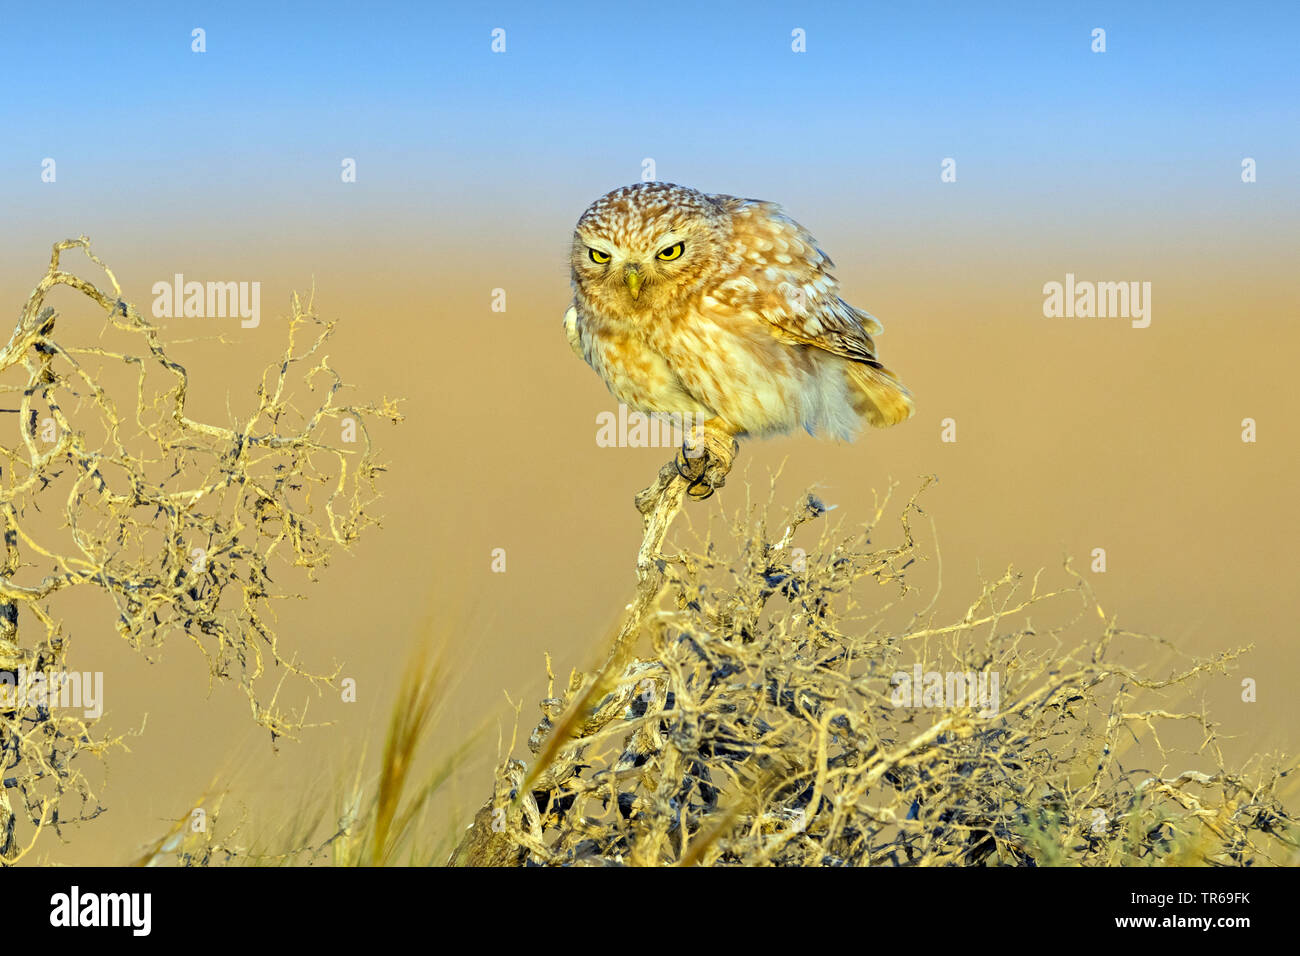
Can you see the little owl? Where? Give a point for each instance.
(725, 310)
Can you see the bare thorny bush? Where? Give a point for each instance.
(179, 524)
(763, 729)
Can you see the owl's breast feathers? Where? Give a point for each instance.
(636, 373)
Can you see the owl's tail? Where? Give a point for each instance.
(880, 397)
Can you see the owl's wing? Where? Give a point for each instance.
(784, 278)
(571, 331)
(787, 280)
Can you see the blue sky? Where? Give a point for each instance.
(712, 91)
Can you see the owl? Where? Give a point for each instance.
(724, 309)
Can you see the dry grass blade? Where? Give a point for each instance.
(408, 727)
(380, 817)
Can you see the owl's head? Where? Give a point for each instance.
(647, 248)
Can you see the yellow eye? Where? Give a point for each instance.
(672, 252)
(598, 256)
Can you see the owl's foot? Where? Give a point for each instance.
(704, 460)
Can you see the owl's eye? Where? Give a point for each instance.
(598, 256)
(672, 252)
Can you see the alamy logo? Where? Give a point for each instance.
(215, 300)
(951, 689)
(51, 689)
(655, 430)
(102, 909)
(1085, 299)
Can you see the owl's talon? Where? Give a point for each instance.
(703, 462)
(691, 489)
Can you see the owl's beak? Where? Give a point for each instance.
(633, 278)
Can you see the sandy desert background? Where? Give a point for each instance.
(1072, 434)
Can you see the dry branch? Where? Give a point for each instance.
(765, 728)
(109, 483)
